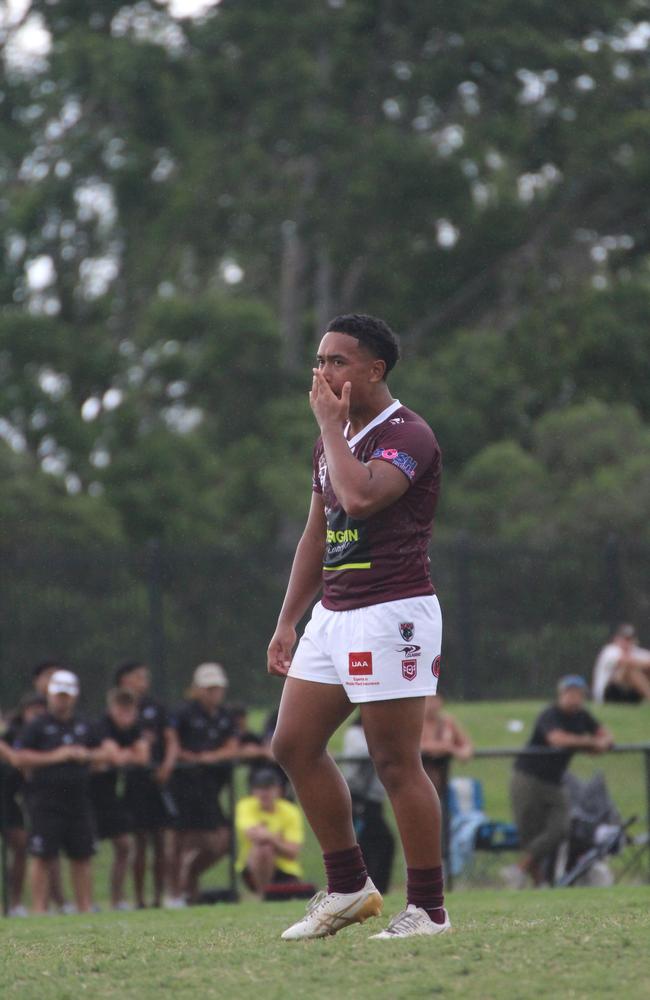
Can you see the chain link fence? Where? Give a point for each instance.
(516, 617)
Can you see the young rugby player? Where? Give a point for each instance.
(374, 638)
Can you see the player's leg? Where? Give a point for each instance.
(309, 714)
(393, 730)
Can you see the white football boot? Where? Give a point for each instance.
(411, 922)
(330, 912)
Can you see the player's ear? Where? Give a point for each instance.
(378, 370)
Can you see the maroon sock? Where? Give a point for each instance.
(346, 870)
(424, 889)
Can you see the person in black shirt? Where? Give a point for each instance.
(207, 737)
(148, 791)
(539, 802)
(119, 734)
(59, 748)
(12, 802)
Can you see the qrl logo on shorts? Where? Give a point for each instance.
(409, 669)
(360, 664)
(435, 667)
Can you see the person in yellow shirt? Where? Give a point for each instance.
(270, 834)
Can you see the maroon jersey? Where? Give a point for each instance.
(386, 556)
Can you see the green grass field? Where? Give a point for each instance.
(565, 943)
(519, 946)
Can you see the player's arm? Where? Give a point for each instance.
(361, 488)
(304, 584)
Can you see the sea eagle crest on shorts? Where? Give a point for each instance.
(407, 630)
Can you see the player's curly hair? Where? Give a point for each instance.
(372, 332)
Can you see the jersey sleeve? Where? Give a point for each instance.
(410, 447)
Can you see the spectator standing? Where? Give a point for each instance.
(120, 736)
(270, 834)
(375, 838)
(148, 791)
(539, 802)
(622, 669)
(58, 747)
(207, 745)
(41, 675)
(442, 740)
(12, 804)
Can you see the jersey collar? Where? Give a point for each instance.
(379, 419)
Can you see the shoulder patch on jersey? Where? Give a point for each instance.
(404, 462)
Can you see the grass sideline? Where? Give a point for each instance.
(522, 946)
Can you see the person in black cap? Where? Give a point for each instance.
(539, 802)
(270, 834)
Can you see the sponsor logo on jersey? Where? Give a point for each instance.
(348, 535)
(404, 462)
(360, 664)
(409, 650)
(409, 669)
(435, 667)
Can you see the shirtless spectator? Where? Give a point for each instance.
(622, 669)
(442, 740)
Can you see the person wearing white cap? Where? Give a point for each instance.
(58, 748)
(207, 737)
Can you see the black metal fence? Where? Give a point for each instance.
(516, 617)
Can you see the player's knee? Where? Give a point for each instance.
(393, 770)
(285, 748)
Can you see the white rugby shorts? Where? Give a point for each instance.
(377, 653)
